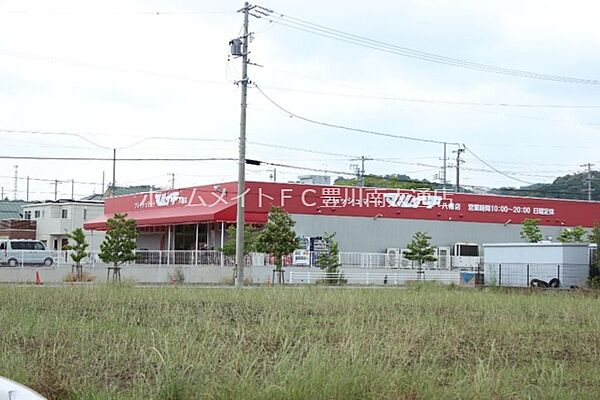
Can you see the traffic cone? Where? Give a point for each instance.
(38, 280)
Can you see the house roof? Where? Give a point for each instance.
(11, 209)
(64, 201)
(94, 197)
(129, 190)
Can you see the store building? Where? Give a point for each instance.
(364, 219)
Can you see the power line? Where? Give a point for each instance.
(107, 67)
(110, 158)
(81, 136)
(57, 134)
(380, 134)
(366, 131)
(437, 101)
(95, 13)
(23, 178)
(494, 168)
(324, 31)
(262, 144)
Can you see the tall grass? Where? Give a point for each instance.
(423, 342)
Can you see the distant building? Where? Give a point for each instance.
(54, 219)
(314, 179)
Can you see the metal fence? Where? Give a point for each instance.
(535, 274)
(217, 258)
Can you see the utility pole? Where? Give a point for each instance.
(172, 180)
(2, 193)
(114, 185)
(239, 232)
(360, 170)
(16, 181)
(103, 188)
(27, 197)
(444, 177)
(356, 170)
(72, 189)
(273, 174)
(55, 189)
(589, 179)
(458, 152)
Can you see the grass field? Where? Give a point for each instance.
(300, 343)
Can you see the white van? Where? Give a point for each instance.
(20, 252)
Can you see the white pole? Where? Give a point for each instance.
(196, 253)
(222, 240)
(169, 246)
(92, 246)
(208, 236)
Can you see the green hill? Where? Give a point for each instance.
(573, 186)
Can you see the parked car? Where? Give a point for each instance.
(10, 390)
(15, 252)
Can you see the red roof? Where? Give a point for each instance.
(171, 216)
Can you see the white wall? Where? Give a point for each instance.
(50, 225)
(366, 234)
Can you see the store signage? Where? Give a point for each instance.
(258, 198)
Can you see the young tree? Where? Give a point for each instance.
(119, 244)
(569, 235)
(420, 250)
(330, 260)
(278, 237)
(531, 230)
(78, 249)
(250, 237)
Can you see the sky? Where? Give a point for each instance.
(154, 79)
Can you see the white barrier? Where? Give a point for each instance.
(394, 277)
(217, 258)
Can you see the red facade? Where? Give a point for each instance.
(217, 203)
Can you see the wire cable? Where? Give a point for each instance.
(438, 101)
(81, 136)
(494, 168)
(322, 30)
(5, 157)
(381, 134)
(336, 126)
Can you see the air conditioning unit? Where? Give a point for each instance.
(405, 262)
(443, 257)
(392, 257)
